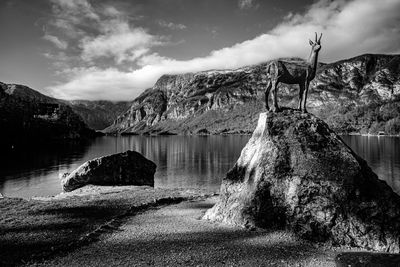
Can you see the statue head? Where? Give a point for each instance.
(316, 45)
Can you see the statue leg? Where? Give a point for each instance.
(301, 92)
(275, 107)
(303, 104)
(269, 86)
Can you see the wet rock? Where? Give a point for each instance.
(127, 168)
(295, 172)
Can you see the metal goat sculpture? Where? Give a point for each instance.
(291, 73)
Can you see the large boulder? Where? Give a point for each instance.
(296, 172)
(127, 168)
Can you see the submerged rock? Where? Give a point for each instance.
(296, 172)
(127, 168)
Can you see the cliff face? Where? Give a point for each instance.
(98, 114)
(226, 101)
(27, 116)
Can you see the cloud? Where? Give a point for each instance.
(247, 4)
(111, 11)
(109, 83)
(98, 32)
(71, 19)
(350, 28)
(74, 10)
(171, 25)
(119, 41)
(56, 41)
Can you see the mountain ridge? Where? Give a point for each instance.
(98, 114)
(189, 103)
(28, 117)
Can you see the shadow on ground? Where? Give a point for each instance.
(36, 230)
(361, 259)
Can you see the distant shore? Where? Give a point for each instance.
(384, 135)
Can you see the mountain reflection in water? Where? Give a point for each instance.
(182, 161)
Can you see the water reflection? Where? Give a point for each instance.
(382, 154)
(182, 161)
(187, 161)
(34, 171)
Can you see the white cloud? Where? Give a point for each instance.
(70, 18)
(119, 41)
(350, 28)
(94, 83)
(98, 32)
(74, 10)
(151, 59)
(56, 41)
(171, 25)
(111, 11)
(62, 25)
(247, 4)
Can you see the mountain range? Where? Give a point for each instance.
(356, 95)
(98, 114)
(29, 117)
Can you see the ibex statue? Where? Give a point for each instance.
(291, 73)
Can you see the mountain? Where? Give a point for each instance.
(98, 114)
(360, 94)
(29, 117)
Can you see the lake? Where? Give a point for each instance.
(182, 161)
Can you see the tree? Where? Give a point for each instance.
(393, 126)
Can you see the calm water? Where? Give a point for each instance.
(182, 161)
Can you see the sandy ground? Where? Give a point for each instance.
(31, 230)
(143, 226)
(174, 235)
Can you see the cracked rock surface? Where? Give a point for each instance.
(295, 172)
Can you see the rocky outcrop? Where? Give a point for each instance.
(27, 115)
(128, 168)
(224, 101)
(296, 172)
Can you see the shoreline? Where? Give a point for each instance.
(233, 134)
(42, 227)
(175, 235)
(48, 231)
(369, 135)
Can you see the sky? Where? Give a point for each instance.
(115, 49)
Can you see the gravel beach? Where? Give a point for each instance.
(174, 235)
(42, 227)
(143, 226)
